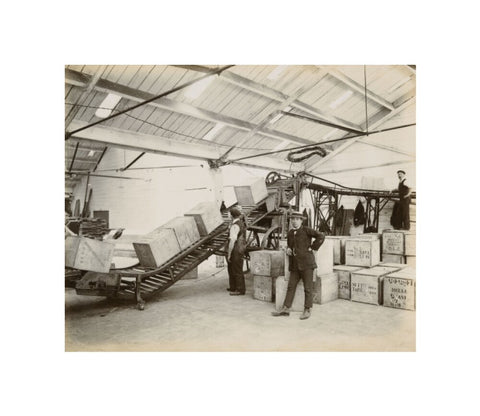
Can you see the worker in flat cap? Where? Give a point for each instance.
(301, 263)
(404, 192)
(237, 244)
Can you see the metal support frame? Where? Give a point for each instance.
(326, 206)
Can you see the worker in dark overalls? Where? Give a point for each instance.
(301, 263)
(237, 245)
(404, 194)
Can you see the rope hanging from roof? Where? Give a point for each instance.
(316, 150)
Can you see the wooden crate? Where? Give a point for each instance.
(325, 288)
(87, 254)
(324, 258)
(412, 261)
(281, 285)
(393, 258)
(185, 228)
(264, 288)
(267, 262)
(229, 197)
(362, 252)
(344, 279)
(367, 284)
(338, 242)
(410, 244)
(393, 242)
(252, 193)
(153, 251)
(207, 216)
(399, 291)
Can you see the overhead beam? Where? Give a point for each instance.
(391, 148)
(359, 88)
(80, 160)
(409, 99)
(268, 92)
(398, 162)
(160, 145)
(168, 104)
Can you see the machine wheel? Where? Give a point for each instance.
(271, 239)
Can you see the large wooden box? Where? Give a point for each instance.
(393, 242)
(367, 284)
(207, 216)
(185, 228)
(393, 258)
(362, 252)
(344, 279)
(229, 197)
(281, 285)
(338, 242)
(252, 193)
(324, 258)
(264, 288)
(325, 288)
(154, 250)
(267, 262)
(88, 254)
(399, 242)
(410, 244)
(399, 291)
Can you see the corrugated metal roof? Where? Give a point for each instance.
(247, 100)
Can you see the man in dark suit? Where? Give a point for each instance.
(301, 259)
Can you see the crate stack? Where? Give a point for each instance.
(94, 228)
(266, 267)
(325, 285)
(166, 241)
(399, 247)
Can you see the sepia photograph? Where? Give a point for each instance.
(240, 208)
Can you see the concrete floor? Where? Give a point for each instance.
(199, 315)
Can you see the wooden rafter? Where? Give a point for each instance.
(181, 108)
(160, 145)
(359, 88)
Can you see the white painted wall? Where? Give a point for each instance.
(155, 195)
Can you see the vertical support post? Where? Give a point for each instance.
(138, 296)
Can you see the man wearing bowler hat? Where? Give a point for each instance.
(301, 262)
(404, 194)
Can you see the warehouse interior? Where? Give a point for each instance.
(145, 144)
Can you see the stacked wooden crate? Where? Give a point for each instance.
(363, 252)
(367, 284)
(399, 289)
(166, 241)
(266, 266)
(325, 288)
(344, 279)
(338, 242)
(398, 246)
